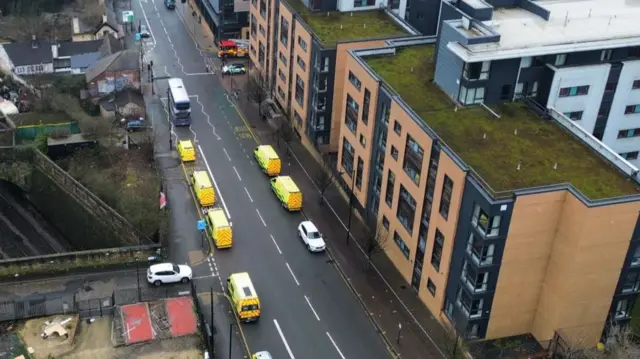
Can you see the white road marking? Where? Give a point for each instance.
(199, 73)
(274, 242)
(208, 118)
(246, 190)
(259, 215)
(225, 152)
(213, 275)
(237, 174)
(206, 163)
(284, 341)
(144, 13)
(335, 346)
(311, 306)
(293, 275)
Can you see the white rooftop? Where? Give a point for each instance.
(573, 25)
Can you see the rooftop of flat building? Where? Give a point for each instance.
(570, 22)
(333, 27)
(516, 151)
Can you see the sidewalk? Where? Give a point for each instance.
(388, 300)
(200, 32)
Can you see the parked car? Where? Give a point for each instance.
(165, 273)
(311, 237)
(144, 32)
(234, 69)
(262, 355)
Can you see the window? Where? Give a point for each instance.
(574, 91)
(299, 90)
(359, 170)
(297, 117)
(397, 127)
(477, 282)
(406, 209)
(635, 259)
(560, 59)
(365, 107)
(280, 92)
(632, 109)
(282, 76)
(575, 115)
(632, 132)
(262, 31)
(391, 181)
(634, 51)
(472, 331)
(385, 222)
(254, 21)
(471, 96)
(526, 90)
(282, 58)
(347, 156)
(261, 51)
(263, 9)
(351, 114)
(623, 309)
(363, 3)
(302, 44)
(284, 31)
(431, 287)
(526, 62)
(394, 152)
(487, 226)
(400, 243)
(631, 283)
(322, 66)
(506, 92)
(481, 254)
(477, 70)
(633, 155)
(354, 81)
(471, 308)
(363, 141)
(320, 123)
(254, 3)
(394, 4)
(635, 85)
(413, 155)
(445, 200)
(605, 55)
(301, 63)
(436, 254)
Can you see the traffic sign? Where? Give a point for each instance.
(138, 37)
(127, 16)
(202, 225)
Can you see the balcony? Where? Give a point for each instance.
(320, 86)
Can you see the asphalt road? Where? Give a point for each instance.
(308, 311)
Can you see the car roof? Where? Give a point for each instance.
(161, 267)
(237, 65)
(310, 226)
(263, 355)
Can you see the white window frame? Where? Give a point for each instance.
(526, 62)
(561, 59)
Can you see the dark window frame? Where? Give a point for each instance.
(445, 198)
(436, 252)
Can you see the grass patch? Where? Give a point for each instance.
(37, 118)
(340, 26)
(518, 137)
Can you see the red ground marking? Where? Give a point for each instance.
(137, 324)
(181, 316)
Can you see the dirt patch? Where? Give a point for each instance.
(54, 346)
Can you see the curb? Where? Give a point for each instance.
(41, 276)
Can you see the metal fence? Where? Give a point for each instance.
(207, 330)
(83, 305)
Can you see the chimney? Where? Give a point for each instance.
(104, 18)
(34, 43)
(76, 25)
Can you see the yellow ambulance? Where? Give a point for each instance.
(219, 228)
(203, 188)
(186, 151)
(287, 192)
(246, 303)
(268, 160)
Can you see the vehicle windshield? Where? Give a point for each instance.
(182, 106)
(314, 235)
(176, 268)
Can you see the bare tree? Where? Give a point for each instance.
(453, 345)
(620, 343)
(374, 241)
(325, 178)
(286, 132)
(256, 89)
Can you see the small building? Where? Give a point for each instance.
(114, 73)
(126, 104)
(108, 25)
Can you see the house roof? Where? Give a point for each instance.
(123, 60)
(78, 48)
(111, 45)
(122, 99)
(29, 52)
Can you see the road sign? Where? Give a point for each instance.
(138, 37)
(127, 16)
(202, 225)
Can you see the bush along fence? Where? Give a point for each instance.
(80, 262)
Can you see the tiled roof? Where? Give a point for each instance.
(77, 48)
(30, 52)
(120, 61)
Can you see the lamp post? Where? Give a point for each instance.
(353, 184)
(230, 338)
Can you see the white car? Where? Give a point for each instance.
(164, 273)
(262, 355)
(144, 32)
(311, 236)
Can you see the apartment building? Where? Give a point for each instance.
(300, 47)
(227, 19)
(581, 58)
(503, 221)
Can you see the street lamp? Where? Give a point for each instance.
(230, 338)
(353, 184)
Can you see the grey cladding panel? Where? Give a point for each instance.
(448, 67)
